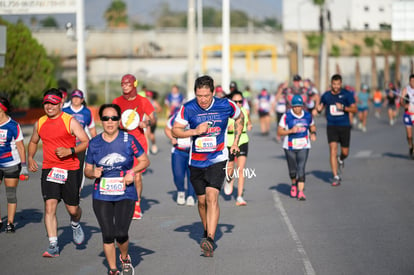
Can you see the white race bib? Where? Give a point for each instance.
(205, 144)
(111, 186)
(184, 142)
(57, 175)
(334, 111)
(299, 143)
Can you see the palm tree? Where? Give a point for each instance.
(386, 48)
(409, 51)
(116, 15)
(356, 52)
(370, 43)
(336, 52)
(398, 47)
(314, 43)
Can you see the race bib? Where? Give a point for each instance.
(334, 111)
(299, 143)
(57, 175)
(184, 142)
(111, 186)
(205, 144)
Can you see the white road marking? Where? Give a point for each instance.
(299, 246)
(363, 154)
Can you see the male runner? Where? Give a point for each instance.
(61, 176)
(135, 109)
(207, 117)
(338, 103)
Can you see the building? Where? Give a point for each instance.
(355, 15)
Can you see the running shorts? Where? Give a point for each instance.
(12, 172)
(68, 192)
(408, 120)
(340, 134)
(244, 149)
(212, 176)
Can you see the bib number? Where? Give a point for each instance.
(206, 144)
(57, 175)
(184, 142)
(111, 186)
(299, 143)
(334, 111)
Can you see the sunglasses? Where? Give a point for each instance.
(238, 101)
(107, 118)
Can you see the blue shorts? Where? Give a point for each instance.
(361, 109)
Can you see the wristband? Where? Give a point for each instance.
(130, 172)
(72, 149)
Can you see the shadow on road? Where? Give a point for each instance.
(322, 175)
(282, 188)
(394, 155)
(26, 216)
(146, 204)
(196, 230)
(136, 252)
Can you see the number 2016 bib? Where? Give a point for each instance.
(111, 186)
(205, 144)
(57, 175)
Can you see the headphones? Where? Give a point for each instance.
(135, 83)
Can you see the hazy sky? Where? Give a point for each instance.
(145, 9)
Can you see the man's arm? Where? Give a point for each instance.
(238, 127)
(178, 130)
(32, 148)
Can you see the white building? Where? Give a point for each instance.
(344, 14)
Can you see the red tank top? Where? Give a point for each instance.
(56, 133)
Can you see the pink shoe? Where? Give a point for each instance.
(301, 196)
(293, 191)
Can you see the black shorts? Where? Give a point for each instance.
(12, 172)
(263, 113)
(340, 134)
(68, 192)
(212, 176)
(244, 150)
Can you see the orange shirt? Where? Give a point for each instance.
(56, 133)
(142, 106)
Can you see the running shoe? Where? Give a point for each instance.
(341, 165)
(301, 196)
(207, 245)
(240, 201)
(228, 187)
(190, 201)
(137, 212)
(180, 198)
(127, 268)
(410, 152)
(1, 225)
(154, 149)
(293, 191)
(78, 235)
(10, 228)
(336, 181)
(52, 251)
(114, 272)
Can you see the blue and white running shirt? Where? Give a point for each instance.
(10, 132)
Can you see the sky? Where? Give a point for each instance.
(144, 10)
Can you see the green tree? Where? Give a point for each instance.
(28, 71)
(409, 51)
(356, 52)
(116, 15)
(370, 42)
(386, 49)
(49, 22)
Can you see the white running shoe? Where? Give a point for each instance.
(228, 187)
(240, 201)
(180, 198)
(190, 201)
(78, 235)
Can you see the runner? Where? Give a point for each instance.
(241, 158)
(297, 126)
(263, 107)
(279, 106)
(174, 100)
(109, 161)
(377, 100)
(180, 156)
(312, 95)
(61, 176)
(392, 98)
(207, 117)
(407, 101)
(12, 160)
(137, 114)
(83, 115)
(362, 100)
(338, 103)
(150, 131)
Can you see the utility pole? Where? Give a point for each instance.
(323, 52)
(225, 50)
(200, 35)
(191, 49)
(81, 56)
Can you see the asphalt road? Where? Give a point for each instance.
(363, 226)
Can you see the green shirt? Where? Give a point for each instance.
(244, 138)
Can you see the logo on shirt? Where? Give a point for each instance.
(111, 159)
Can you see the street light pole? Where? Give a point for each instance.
(81, 56)
(191, 49)
(199, 34)
(225, 50)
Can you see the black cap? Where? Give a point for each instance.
(233, 84)
(297, 77)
